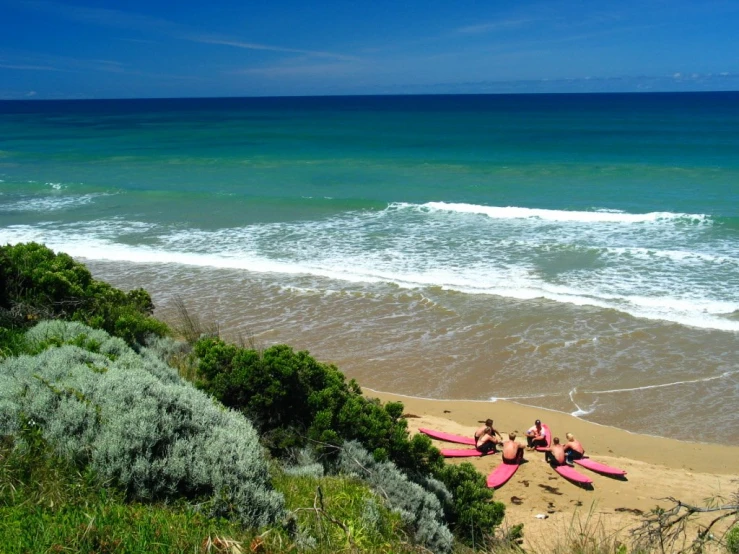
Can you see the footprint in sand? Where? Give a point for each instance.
(553, 490)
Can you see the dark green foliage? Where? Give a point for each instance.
(732, 540)
(473, 515)
(291, 398)
(36, 284)
(11, 342)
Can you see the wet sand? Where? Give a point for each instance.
(657, 468)
(644, 376)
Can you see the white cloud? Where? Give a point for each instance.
(257, 46)
(492, 26)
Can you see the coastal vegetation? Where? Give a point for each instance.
(121, 433)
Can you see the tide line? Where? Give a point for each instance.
(662, 385)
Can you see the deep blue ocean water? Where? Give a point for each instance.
(522, 228)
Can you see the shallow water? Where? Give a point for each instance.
(574, 252)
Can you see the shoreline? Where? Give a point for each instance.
(657, 469)
(597, 438)
(535, 408)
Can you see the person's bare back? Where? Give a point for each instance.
(556, 452)
(574, 444)
(512, 451)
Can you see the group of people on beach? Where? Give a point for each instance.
(488, 439)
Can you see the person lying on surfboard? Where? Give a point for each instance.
(487, 441)
(512, 450)
(555, 454)
(482, 430)
(535, 435)
(573, 449)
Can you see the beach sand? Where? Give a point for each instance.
(657, 468)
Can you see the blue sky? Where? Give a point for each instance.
(84, 49)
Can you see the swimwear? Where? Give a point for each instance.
(573, 455)
(486, 447)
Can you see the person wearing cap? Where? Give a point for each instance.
(535, 435)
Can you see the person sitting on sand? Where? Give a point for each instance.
(555, 454)
(512, 450)
(573, 449)
(535, 435)
(487, 441)
(481, 430)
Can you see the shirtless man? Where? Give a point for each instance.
(555, 454)
(573, 449)
(535, 435)
(512, 450)
(486, 441)
(481, 430)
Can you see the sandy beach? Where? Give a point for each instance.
(657, 468)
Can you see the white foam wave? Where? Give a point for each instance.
(595, 216)
(50, 203)
(365, 247)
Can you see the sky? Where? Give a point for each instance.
(53, 49)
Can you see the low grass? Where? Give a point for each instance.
(47, 505)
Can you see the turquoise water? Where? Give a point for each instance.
(468, 220)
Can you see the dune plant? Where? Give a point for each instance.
(38, 284)
(732, 540)
(295, 400)
(419, 508)
(133, 421)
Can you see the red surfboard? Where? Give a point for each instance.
(568, 473)
(592, 465)
(448, 437)
(501, 474)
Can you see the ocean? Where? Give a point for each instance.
(579, 253)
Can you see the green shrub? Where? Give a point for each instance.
(732, 540)
(419, 509)
(295, 400)
(37, 284)
(291, 398)
(339, 511)
(47, 505)
(132, 420)
(12, 342)
(473, 515)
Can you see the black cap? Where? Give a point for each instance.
(537, 422)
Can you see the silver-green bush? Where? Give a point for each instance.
(419, 509)
(134, 421)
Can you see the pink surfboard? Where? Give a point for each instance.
(501, 474)
(448, 437)
(568, 473)
(462, 453)
(592, 465)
